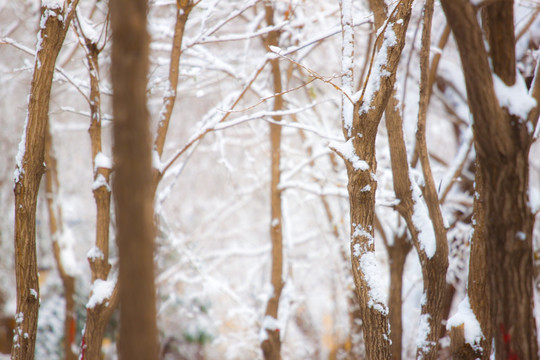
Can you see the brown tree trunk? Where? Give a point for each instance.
(97, 317)
(397, 254)
(502, 144)
(477, 287)
(29, 169)
(271, 346)
(433, 266)
(359, 155)
(133, 180)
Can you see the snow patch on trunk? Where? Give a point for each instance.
(422, 222)
(346, 150)
(379, 69)
(101, 291)
(471, 327)
(424, 329)
(515, 98)
(372, 275)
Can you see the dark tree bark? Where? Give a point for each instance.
(133, 180)
(29, 170)
(502, 143)
(361, 163)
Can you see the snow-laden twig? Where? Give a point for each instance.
(314, 189)
(29, 51)
(203, 35)
(209, 125)
(291, 173)
(327, 80)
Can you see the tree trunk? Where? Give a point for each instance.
(271, 346)
(397, 255)
(502, 143)
(29, 169)
(360, 130)
(133, 180)
(97, 317)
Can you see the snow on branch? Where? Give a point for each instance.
(327, 80)
(515, 98)
(422, 221)
(102, 291)
(347, 152)
(465, 316)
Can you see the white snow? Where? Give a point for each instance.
(423, 332)
(422, 222)
(99, 182)
(372, 275)
(379, 69)
(66, 241)
(88, 28)
(368, 266)
(275, 49)
(19, 318)
(465, 316)
(347, 63)
(101, 291)
(102, 161)
(19, 168)
(515, 98)
(347, 151)
(52, 4)
(34, 293)
(268, 323)
(359, 231)
(477, 2)
(156, 162)
(94, 253)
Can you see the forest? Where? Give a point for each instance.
(269, 179)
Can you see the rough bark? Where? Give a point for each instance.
(133, 180)
(476, 287)
(434, 268)
(360, 135)
(29, 169)
(498, 25)
(97, 317)
(271, 346)
(502, 144)
(460, 349)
